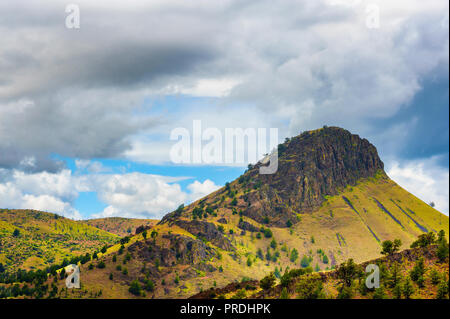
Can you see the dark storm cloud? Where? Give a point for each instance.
(78, 93)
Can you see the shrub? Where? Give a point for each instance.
(348, 271)
(408, 289)
(345, 292)
(379, 293)
(397, 291)
(260, 254)
(149, 285)
(294, 255)
(435, 277)
(267, 282)
(288, 276)
(442, 292)
(418, 271)
(389, 247)
(310, 287)
(305, 261)
(424, 240)
(442, 251)
(284, 294)
(395, 276)
(135, 288)
(240, 294)
(273, 244)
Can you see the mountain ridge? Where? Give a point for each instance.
(329, 201)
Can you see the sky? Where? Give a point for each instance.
(88, 105)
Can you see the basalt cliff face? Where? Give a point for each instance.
(311, 166)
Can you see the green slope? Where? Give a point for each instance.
(45, 238)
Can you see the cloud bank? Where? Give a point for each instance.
(93, 92)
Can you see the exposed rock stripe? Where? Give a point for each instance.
(412, 212)
(374, 235)
(338, 239)
(351, 206)
(387, 212)
(341, 240)
(422, 228)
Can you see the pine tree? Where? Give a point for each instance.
(135, 288)
(419, 270)
(267, 282)
(397, 291)
(395, 277)
(408, 289)
(435, 277)
(442, 251)
(284, 294)
(273, 244)
(379, 293)
(294, 255)
(442, 292)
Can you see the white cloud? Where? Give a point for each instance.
(425, 179)
(43, 191)
(126, 195)
(138, 195)
(199, 190)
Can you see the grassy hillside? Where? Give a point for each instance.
(119, 225)
(181, 263)
(33, 239)
(329, 201)
(396, 273)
